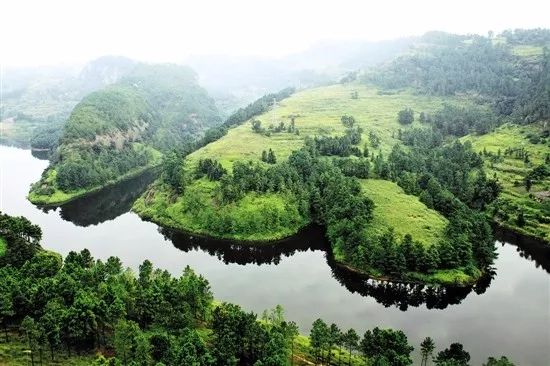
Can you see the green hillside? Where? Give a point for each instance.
(317, 112)
(405, 213)
(199, 203)
(123, 129)
(505, 151)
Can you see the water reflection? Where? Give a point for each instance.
(313, 237)
(309, 238)
(106, 204)
(41, 154)
(527, 247)
(404, 295)
(112, 202)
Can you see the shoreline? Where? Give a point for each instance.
(277, 240)
(42, 200)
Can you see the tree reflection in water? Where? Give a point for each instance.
(106, 204)
(387, 293)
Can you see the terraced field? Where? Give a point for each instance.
(511, 171)
(318, 112)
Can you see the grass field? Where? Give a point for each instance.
(511, 172)
(255, 217)
(405, 213)
(3, 246)
(318, 112)
(527, 50)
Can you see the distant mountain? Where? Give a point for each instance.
(104, 71)
(237, 80)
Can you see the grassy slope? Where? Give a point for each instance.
(511, 173)
(319, 111)
(3, 246)
(405, 213)
(527, 50)
(60, 197)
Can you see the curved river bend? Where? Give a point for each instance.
(508, 313)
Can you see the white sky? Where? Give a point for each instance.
(74, 31)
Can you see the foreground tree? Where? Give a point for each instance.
(455, 355)
(319, 338)
(502, 361)
(426, 348)
(386, 346)
(351, 341)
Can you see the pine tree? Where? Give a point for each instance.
(426, 348)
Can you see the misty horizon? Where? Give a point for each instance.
(69, 34)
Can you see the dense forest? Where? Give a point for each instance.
(486, 67)
(80, 308)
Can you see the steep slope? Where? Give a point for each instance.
(122, 130)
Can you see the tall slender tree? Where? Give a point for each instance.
(426, 348)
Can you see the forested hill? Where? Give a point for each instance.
(508, 78)
(79, 310)
(124, 128)
(509, 71)
(394, 170)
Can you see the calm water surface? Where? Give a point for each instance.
(506, 314)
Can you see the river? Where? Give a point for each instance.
(506, 314)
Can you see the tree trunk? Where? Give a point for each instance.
(292, 353)
(6, 331)
(32, 358)
(51, 351)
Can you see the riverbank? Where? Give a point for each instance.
(456, 277)
(59, 197)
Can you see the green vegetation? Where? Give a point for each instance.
(511, 153)
(255, 217)
(510, 80)
(16, 353)
(405, 213)
(527, 51)
(3, 246)
(78, 310)
(121, 130)
(250, 199)
(318, 112)
(47, 191)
